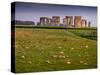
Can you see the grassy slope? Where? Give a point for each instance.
(87, 33)
(34, 47)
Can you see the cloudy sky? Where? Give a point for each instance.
(33, 11)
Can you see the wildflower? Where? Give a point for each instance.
(72, 48)
(81, 61)
(81, 46)
(27, 47)
(62, 52)
(67, 56)
(86, 46)
(48, 61)
(55, 56)
(79, 55)
(23, 57)
(85, 63)
(16, 46)
(62, 56)
(30, 62)
(68, 62)
(59, 47)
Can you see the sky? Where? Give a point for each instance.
(33, 11)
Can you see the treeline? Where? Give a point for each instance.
(18, 22)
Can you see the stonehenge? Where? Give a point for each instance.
(68, 21)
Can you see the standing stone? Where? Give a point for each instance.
(83, 23)
(89, 24)
(43, 20)
(49, 21)
(77, 21)
(64, 22)
(56, 20)
(68, 21)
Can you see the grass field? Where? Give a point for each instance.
(55, 49)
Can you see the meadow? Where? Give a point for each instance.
(41, 49)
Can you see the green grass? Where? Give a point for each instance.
(36, 50)
(90, 34)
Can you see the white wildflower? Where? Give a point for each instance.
(67, 56)
(86, 46)
(72, 48)
(81, 61)
(79, 55)
(62, 52)
(85, 63)
(23, 57)
(48, 61)
(68, 62)
(59, 47)
(27, 47)
(55, 56)
(62, 56)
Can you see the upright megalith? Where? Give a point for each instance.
(43, 20)
(89, 24)
(83, 23)
(77, 21)
(49, 21)
(56, 20)
(68, 21)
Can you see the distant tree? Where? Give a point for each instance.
(18, 22)
(38, 23)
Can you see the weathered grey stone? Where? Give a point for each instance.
(89, 24)
(68, 21)
(43, 20)
(56, 20)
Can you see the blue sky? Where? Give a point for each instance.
(33, 11)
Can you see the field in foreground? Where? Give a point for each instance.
(54, 49)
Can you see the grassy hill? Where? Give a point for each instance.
(55, 49)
